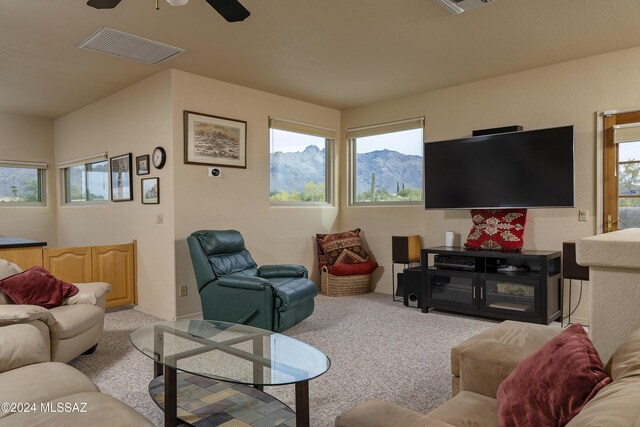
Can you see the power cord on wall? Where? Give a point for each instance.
(577, 304)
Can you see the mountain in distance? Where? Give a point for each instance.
(392, 169)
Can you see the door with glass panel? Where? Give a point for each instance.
(621, 171)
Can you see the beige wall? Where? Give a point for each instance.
(149, 114)
(26, 138)
(239, 199)
(562, 94)
(136, 120)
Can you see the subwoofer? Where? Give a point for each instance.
(412, 287)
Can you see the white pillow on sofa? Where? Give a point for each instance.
(88, 293)
(7, 269)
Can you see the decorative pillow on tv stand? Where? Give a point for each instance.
(497, 229)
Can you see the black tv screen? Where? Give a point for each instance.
(530, 169)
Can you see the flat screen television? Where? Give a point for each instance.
(528, 169)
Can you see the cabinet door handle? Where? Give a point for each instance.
(474, 292)
(481, 293)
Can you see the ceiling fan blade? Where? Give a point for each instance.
(231, 10)
(103, 4)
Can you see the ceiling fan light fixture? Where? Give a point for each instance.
(177, 2)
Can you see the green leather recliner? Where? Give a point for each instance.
(233, 289)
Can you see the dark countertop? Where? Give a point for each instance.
(17, 242)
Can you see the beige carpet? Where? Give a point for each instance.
(378, 348)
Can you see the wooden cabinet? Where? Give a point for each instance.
(69, 264)
(114, 264)
(24, 257)
(521, 286)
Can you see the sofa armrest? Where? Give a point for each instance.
(243, 282)
(380, 413)
(88, 293)
(282, 270)
(23, 313)
(24, 344)
(484, 365)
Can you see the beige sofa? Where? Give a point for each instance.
(42, 393)
(75, 327)
(39, 389)
(481, 363)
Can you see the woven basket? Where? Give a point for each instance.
(342, 286)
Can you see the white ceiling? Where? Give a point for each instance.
(337, 53)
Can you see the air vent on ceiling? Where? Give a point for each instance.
(125, 45)
(459, 6)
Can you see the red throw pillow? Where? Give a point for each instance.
(499, 229)
(353, 269)
(36, 286)
(343, 248)
(551, 386)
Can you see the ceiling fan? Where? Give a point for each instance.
(231, 10)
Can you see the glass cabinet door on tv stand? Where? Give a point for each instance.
(504, 285)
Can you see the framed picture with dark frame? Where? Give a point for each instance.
(150, 191)
(121, 178)
(142, 165)
(214, 141)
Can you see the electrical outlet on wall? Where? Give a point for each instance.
(183, 291)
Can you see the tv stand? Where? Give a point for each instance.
(521, 286)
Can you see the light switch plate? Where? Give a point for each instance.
(583, 215)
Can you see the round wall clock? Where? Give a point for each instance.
(159, 157)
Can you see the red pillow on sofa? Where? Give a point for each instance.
(353, 269)
(551, 386)
(36, 286)
(499, 229)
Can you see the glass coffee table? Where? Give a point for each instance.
(223, 369)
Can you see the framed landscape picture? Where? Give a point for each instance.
(121, 177)
(150, 191)
(142, 165)
(213, 140)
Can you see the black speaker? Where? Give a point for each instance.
(412, 287)
(570, 269)
(493, 131)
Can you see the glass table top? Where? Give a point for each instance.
(229, 352)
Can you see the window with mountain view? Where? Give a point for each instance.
(301, 163)
(86, 182)
(22, 183)
(387, 163)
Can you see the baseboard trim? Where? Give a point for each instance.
(581, 320)
(192, 316)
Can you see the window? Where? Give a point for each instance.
(387, 163)
(22, 183)
(622, 171)
(86, 180)
(301, 163)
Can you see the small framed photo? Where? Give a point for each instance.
(214, 141)
(121, 178)
(150, 191)
(142, 165)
